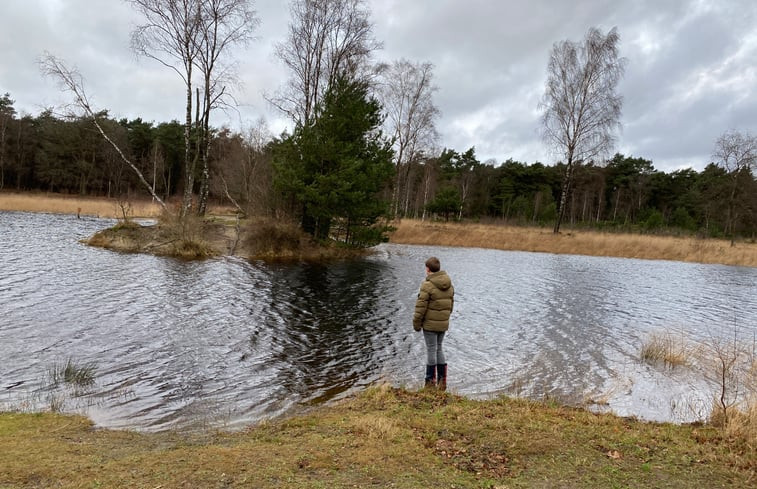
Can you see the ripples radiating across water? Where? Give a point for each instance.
(225, 342)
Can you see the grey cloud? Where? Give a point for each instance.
(490, 66)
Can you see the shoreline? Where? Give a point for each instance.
(467, 234)
(383, 437)
(387, 435)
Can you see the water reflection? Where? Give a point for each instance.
(226, 342)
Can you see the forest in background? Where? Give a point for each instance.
(67, 155)
(363, 147)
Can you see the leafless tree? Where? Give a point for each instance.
(406, 92)
(244, 170)
(736, 153)
(72, 81)
(581, 107)
(171, 35)
(185, 35)
(326, 39)
(224, 24)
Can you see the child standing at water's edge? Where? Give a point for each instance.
(433, 307)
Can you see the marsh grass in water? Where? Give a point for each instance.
(73, 373)
(728, 365)
(669, 350)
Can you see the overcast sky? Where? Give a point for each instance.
(691, 71)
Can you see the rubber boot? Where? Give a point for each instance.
(441, 376)
(430, 376)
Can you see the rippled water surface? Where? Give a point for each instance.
(225, 342)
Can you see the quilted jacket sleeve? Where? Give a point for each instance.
(421, 305)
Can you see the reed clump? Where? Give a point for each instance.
(72, 372)
(668, 350)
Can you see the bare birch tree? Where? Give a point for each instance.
(407, 97)
(326, 39)
(224, 24)
(736, 153)
(171, 35)
(72, 81)
(581, 107)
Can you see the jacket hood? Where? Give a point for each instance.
(440, 280)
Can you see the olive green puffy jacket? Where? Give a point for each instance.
(435, 301)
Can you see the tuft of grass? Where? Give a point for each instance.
(665, 349)
(73, 373)
(742, 422)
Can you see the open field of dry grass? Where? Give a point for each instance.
(592, 243)
(85, 206)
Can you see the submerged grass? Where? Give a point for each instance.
(384, 437)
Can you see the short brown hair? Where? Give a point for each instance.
(433, 264)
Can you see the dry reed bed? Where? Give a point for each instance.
(89, 206)
(85, 206)
(514, 238)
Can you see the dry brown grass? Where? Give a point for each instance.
(503, 237)
(85, 206)
(89, 206)
(668, 350)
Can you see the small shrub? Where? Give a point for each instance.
(654, 221)
(268, 237)
(732, 366)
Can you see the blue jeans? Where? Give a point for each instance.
(434, 353)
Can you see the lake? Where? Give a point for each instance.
(224, 343)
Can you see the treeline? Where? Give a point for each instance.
(68, 155)
(626, 193)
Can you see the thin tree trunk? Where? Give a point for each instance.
(186, 204)
(564, 195)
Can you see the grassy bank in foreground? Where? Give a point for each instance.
(382, 438)
(592, 243)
